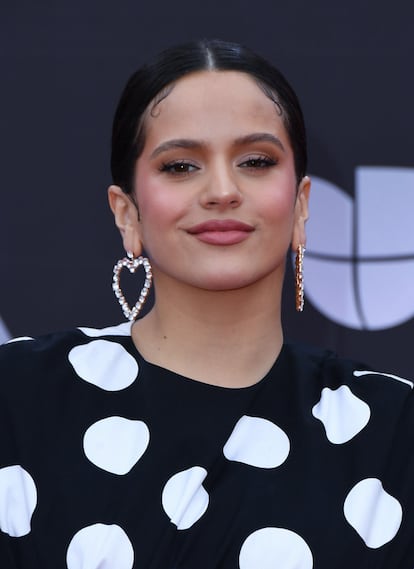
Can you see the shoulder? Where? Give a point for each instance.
(345, 388)
(22, 353)
(31, 359)
(333, 370)
(47, 344)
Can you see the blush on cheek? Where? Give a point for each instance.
(282, 204)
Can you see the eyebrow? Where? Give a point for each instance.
(176, 143)
(189, 143)
(260, 137)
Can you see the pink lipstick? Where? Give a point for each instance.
(221, 231)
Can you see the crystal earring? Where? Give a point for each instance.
(132, 263)
(299, 291)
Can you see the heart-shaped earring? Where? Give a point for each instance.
(132, 263)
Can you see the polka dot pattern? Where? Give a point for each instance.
(271, 548)
(104, 364)
(342, 413)
(184, 498)
(100, 546)
(373, 513)
(19, 339)
(362, 373)
(18, 499)
(116, 444)
(174, 473)
(123, 329)
(257, 442)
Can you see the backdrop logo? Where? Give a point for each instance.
(359, 267)
(4, 333)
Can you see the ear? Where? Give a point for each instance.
(301, 213)
(126, 219)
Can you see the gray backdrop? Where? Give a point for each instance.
(63, 67)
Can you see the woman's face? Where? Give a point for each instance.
(215, 185)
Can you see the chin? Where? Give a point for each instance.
(228, 283)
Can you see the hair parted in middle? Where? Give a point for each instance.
(154, 81)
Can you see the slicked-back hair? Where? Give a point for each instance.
(152, 82)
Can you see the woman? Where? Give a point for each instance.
(197, 437)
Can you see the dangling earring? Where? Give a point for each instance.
(300, 297)
(132, 263)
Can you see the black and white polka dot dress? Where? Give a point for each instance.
(109, 462)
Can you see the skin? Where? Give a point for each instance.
(216, 149)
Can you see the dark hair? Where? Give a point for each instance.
(149, 84)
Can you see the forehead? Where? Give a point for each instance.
(211, 103)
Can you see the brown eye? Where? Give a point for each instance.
(178, 167)
(259, 162)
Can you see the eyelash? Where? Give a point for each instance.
(182, 168)
(258, 162)
(178, 167)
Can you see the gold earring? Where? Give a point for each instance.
(299, 291)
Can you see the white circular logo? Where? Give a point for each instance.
(359, 269)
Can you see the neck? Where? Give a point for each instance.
(227, 338)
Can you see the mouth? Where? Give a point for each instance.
(221, 231)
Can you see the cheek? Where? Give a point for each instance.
(159, 209)
(149, 193)
(279, 201)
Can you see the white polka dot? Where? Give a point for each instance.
(362, 373)
(271, 548)
(104, 364)
(372, 512)
(116, 444)
(18, 499)
(20, 339)
(257, 442)
(100, 546)
(184, 499)
(123, 329)
(342, 413)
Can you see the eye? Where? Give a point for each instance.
(177, 167)
(258, 162)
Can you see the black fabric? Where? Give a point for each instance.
(46, 409)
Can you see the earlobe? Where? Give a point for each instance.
(301, 213)
(126, 219)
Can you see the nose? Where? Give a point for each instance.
(221, 189)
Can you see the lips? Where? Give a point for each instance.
(221, 231)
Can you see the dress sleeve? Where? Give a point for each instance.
(374, 413)
(16, 506)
